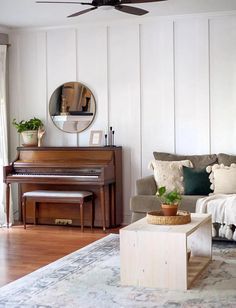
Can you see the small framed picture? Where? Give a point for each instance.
(95, 138)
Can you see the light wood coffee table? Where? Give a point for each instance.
(156, 255)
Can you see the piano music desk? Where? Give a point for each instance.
(77, 197)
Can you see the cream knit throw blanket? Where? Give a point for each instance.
(222, 207)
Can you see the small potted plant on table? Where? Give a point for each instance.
(170, 201)
(29, 130)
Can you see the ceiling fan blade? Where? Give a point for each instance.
(83, 12)
(63, 2)
(139, 1)
(130, 10)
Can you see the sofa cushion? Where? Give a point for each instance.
(223, 178)
(144, 203)
(198, 161)
(226, 159)
(196, 181)
(169, 174)
(146, 186)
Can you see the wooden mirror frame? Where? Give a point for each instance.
(72, 107)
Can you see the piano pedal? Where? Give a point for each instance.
(63, 221)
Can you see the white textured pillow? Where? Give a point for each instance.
(169, 173)
(223, 178)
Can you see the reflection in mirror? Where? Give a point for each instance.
(72, 107)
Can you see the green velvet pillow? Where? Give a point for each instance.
(196, 181)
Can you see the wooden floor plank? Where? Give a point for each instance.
(23, 251)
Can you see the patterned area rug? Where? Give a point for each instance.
(90, 277)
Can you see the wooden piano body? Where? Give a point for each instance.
(96, 169)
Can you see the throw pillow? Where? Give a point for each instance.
(223, 178)
(169, 174)
(196, 181)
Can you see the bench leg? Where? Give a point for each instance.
(92, 213)
(24, 211)
(82, 216)
(35, 212)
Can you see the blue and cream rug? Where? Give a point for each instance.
(90, 277)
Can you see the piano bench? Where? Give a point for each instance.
(77, 197)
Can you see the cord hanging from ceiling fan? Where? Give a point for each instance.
(117, 4)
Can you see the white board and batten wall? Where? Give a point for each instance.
(164, 84)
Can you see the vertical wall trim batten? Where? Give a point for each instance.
(174, 79)
(140, 101)
(209, 76)
(46, 75)
(108, 78)
(76, 51)
(77, 70)
(15, 192)
(18, 79)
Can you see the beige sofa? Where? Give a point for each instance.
(146, 201)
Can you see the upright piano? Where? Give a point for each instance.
(97, 169)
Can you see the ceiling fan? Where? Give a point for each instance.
(117, 4)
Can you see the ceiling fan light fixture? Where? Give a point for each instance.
(106, 7)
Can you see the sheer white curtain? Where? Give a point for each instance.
(3, 133)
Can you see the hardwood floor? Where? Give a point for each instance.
(23, 251)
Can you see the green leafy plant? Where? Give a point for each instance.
(172, 197)
(32, 124)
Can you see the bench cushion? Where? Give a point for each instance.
(58, 194)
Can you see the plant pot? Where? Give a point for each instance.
(169, 209)
(30, 137)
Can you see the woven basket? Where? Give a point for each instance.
(157, 218)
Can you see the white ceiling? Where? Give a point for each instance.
(27, 13)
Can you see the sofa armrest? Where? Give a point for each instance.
(146, 186)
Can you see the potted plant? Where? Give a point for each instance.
(170, 201)
(29, 130)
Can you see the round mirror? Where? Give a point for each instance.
(72, 107)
